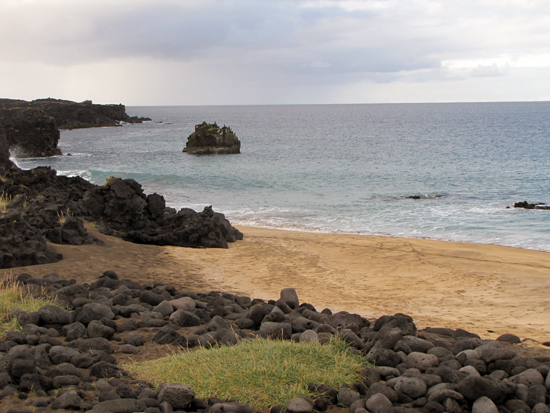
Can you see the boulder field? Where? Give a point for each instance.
(67, 359)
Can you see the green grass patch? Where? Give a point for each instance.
(259, 372)
(14, 295)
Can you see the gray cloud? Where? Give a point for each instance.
(280, 43)
(296, 37)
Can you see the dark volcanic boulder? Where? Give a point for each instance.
(207, 229)
(22, 244)
(527, 205)
(209, 138)
(44, 205)
(403, 322)
(122, 204)
(71, 232)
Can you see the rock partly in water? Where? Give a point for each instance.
(209, 138)
(71, 115)
(29, 132)
(527, 205)
(31, 129)
(5, 163)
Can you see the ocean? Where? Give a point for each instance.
(341, 168)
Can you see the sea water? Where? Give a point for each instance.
(341, 168)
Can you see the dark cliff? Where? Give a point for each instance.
(31, 129)
(5, 163)
(72, 115)
(29, 132)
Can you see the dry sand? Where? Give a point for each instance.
(486, 289)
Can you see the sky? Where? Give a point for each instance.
(239, 52)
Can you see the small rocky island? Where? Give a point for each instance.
(209, 138)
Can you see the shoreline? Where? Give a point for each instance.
(298, 228)
(486, 289)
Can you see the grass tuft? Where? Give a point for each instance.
(259, 372)
(4, 202)
(14, 295)
(62, 216)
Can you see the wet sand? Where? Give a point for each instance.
(486, 289)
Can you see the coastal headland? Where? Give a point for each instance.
(486, 289)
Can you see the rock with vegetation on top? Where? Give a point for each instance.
(209, 138)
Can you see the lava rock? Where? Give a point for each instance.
(184, 318)
(209, 138)
(178, 395)
(300, 405)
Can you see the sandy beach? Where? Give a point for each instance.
(486, 289)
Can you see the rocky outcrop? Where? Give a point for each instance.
(209, 138)
(31, 129)
(122, 205)
(68, 357)
(53, 208)
(42, 206)
(22, 244)
(5, 163)
(29, 132)
(72, 115)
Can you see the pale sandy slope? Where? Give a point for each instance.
(486, 289)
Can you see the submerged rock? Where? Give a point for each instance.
(209, 138)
